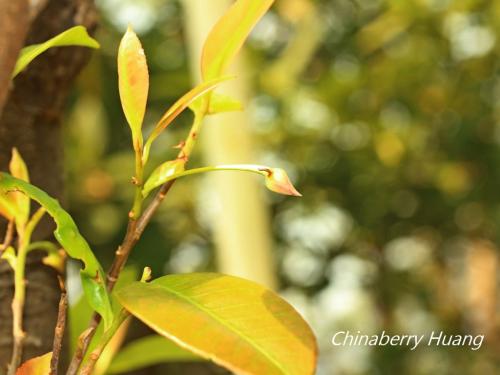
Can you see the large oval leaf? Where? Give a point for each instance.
(229, 34)
(67, 234)
(133, 80)
(234, 322)
(76, 36)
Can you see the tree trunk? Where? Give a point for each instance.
(13, 28)
(31, 122)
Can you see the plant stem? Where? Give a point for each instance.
(18, 308)
(20, 290)
(106, 337)
(135, 228)
(188, 146)
(59, 330)
(134, 232)
(9, 235)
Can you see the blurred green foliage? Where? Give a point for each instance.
(386, 115)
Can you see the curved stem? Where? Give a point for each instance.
(105, 338)
(135, 229)
(20, 290)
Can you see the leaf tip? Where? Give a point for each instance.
(278, 181)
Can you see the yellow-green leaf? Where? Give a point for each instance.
(133, 79)
(80, 312)
(219, 103)
(69, 237)
(236, 323)
(161, 174)
(17, 166)
(148, 351)
(7, 206)
(229, 34)
(9, 255)
(18, 169)
(36, 366)
(76, 36)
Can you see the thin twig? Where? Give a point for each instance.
(104, 340)
(24, 238)
(59, 330)
(9, 235)
(134, 231)
(17, 310)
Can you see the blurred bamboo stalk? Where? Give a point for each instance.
(241, 227)
(481, 293)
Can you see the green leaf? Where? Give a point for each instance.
(149, 351)
(15, 205)
(9, 255)
(133, 81)
(229, 34)
(80, 312)
(76, 36)
(236, 323)
(161, 175)
(7, 206)
(67, 234)
(36, 366)
(219, 103)
(18, 169)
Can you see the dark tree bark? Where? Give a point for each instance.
(14, 24)
(31, 122)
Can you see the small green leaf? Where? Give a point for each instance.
(67, 234)
(7, 207)
(229, 34)
(76, 36)
(238, 324)
(149, 351)
(36, 366)
(9, 255)
(161, 175)
(19, 170)
(80, 312)
(15, 205)
(133, 79)
(219, 103)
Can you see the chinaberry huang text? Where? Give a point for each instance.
(435, 338)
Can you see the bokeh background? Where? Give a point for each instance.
(386, 114)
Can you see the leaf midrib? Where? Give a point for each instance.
(227, 325)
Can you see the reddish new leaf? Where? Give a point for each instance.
(277, 180)
(133, 80)
(36, 366)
